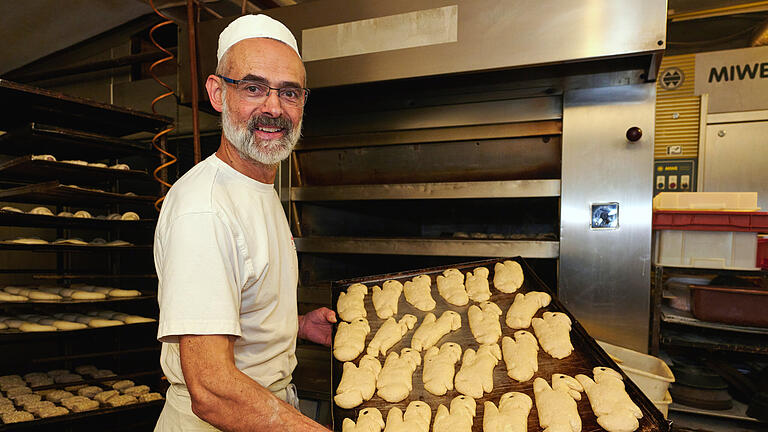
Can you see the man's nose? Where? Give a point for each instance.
(272, 105)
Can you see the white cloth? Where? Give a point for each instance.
(254, 26)
(226, 264)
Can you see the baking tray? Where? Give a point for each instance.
(730, 305)
(586, 355)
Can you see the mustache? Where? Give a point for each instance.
(264, 120)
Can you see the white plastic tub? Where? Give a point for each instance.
(706, 249)
(733, 201)
(663, 405)
(650, 373)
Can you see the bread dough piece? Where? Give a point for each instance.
(6, 297)
(103, 373)
(349, 341)
(395, 381)
(130, 216)
(52, 412)
(484, 322)
(508, 276)
(136, 390)
(350, 305)
(385, 299)
(610, 402)
(477, 285)
(98, 165)
(458, 419)
(55, 372)
(511, 414)
(6, 409)
(123, 384)
(89, 391)
(34, 294)
(21, 395)
(13, 323)
(433, 329)
(28, 327)
(476, 373)
(65, 214)
(28, 240)
(358, 383)
(17, 417)
(62, 325)
(418, 292)
(82, 214)
(368, 420)
(81, 295)
(390, 333)
(553, 330)
(71, 241)
(57, 395)
(99, 322)
(521, 355)
(556, 405)
(135, 319)
(122, 400)
(44, 157)
(104, 396)
(86, 370)
(66, 317)
(67, 378)
(113, 292)
(12, 209)
(7, 379)
(76, 162)
(440, 368)
(450, 285)
(416, 418)
(72, 400)
(119, 243)
(41, 211)
(84, 405)
(149, 397)
(525, 307)
(37, 406)
(121, 166)
(35, 375)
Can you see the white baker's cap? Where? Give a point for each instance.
(255, 26)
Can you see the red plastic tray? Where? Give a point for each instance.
(710, 221)
(737, 305)
(762, 252)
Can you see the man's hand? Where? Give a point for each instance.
(316, 326)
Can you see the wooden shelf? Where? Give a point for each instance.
(25, 169)
(56, 193)
(11, 218)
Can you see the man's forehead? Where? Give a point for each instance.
(262, 57)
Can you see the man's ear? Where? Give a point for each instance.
(213, 86)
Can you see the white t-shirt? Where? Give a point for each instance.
(226, 264)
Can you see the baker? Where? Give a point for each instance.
(224, 254)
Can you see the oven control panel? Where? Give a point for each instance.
(674, 175)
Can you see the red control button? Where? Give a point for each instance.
(672, 185)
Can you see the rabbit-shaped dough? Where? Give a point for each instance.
(350, 305)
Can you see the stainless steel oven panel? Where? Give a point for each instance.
(605, 273)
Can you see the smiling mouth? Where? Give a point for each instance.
(268, 129)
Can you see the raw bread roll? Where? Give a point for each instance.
(418, 292)
(53, 412)
(41, 211)
(136, 390)
(395, 381)
(44, 157)
(385, 299)
(553, 330)
(349, 341)
(416, 418)
(13, 323)
(368, 420)
(476, 373)
(67, 378)
(510, 416)
(35, 294)
(477, 285)
(36, 407)
(390, 333)
(521, 355)
(98, 322)
(119, 243)
(97, 165)
(350, 305)
(6, 297)
(82, 214)
(65, 214)
(122, 400)
(57, 395)
(28, 327)
(72, 241)
(508, 276)
(104, 396)
(112, 292)
(130, 216)
(525, 307)
(433, 329)
(12, 209)
(460, 417)
(123, 384)
(76, 162)
(358, 383)
(62, 325)
(610, 402)
(85, 405)
(28, 240)
(17, 417)
(121, 166)
(72, 400)
(484, 322)
(67, 317)
(98, 241)
(440, 367)
(81, 295)
(450, 285)
(149, 397)
(556, 405)
(89, 391)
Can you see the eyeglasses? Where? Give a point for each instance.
(258, 91)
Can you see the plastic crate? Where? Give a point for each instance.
(663, 405)
(710, 221)
(650, 373)
(706, 249)
(732, 201)
(762, 252)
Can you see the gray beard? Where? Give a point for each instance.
(267, 152)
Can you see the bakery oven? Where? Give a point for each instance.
(439, 131)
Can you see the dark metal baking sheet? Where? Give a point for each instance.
(586, 355)
(26, 169)
(54, 192)
(7, 245)
(12, 218)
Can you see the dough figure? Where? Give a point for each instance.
(440, 367)
(460, 417)
(390, 333)
(418, 292)
(553, 330)
(41, 211)
(525, 307)
(510, 416)
(476, 373)
(385, 299)
(416, 419)
(484, 322)
(368, 420)
(350, 305)
(433, 329)
(521, 355)
(477, 285)
(395, 381)
(508, 276)
(556, 405)
(358, 383)
(451, 287)
(350, 339)
(610, 402)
